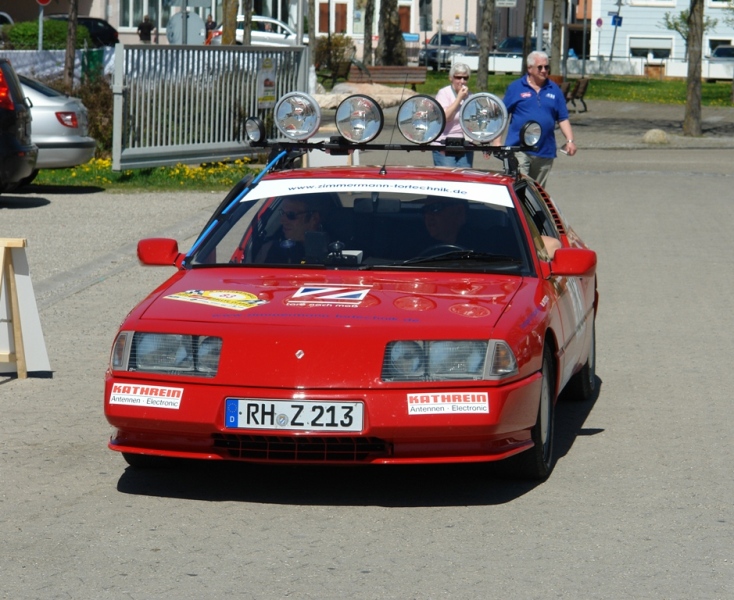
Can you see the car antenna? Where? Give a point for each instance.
(383, 170)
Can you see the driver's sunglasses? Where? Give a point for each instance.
(292, 215)
(543, 68)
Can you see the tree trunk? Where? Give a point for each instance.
(485, 46)
(369, 18)
(312, 27)
(556, 48)
(692, 119)
(391, 45)
(527, 31)
(229, 22)
(71, 46)
(247, 14)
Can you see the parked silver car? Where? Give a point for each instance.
(264, 31)
(59, 128)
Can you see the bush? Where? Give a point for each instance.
(24, 35)
(331, 52)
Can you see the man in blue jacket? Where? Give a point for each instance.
(534, 97)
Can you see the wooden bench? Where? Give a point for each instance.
(577, 92)
(397, 75)
(340, 72)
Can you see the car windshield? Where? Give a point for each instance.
(453, 39)
(40, 87)
(724, 52)
(341, 223)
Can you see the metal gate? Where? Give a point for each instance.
(187, 104)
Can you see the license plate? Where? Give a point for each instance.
(293, 415)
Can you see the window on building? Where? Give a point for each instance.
(651, 48)
(133, 11)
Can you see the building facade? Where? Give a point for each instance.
(611, 29)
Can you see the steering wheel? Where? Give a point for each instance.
(437, 249)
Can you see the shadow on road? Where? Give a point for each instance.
(68, 190)
(16, 202)
(393, 486)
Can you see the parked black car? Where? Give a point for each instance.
(101, 32)
(17, 153)
(512, 46)
(443, 46)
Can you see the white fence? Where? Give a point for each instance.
(49, 64)
(710, 69)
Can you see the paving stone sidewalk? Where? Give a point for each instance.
(624, 125)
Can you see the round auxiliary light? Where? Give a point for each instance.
(483, 117)
(421, 119)
(359, 119)
(297, 116)
(254, 129)
(530, 133)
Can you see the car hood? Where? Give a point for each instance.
(302, 329)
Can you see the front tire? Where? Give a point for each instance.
(537, 462)
(582, 386)
(28, 180)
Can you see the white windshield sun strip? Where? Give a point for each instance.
(478, 192)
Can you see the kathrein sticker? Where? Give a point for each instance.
(442, 403)
(219, 298)
(147, 396)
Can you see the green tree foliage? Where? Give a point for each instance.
(24, 36)
(679, 24)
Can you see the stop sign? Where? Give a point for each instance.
(44, 2)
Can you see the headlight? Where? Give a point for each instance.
(530, 133)
(483, 117)
(448, 360)
(359, 119)
(171, 354)
(421, 119)
(297, 116)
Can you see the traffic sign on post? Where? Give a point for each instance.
(44, 2)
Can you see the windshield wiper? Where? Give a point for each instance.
(454, 255)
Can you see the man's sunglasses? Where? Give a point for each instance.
(543, 68)
(292, 215)
(464, 77)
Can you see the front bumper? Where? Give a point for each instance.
(196, 429)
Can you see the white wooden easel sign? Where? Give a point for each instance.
(22, 349)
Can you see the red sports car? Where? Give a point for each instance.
(358, 314)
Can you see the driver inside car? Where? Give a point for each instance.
(288, 245)
(444, 220)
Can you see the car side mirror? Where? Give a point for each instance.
(159, 252)
(573, 262)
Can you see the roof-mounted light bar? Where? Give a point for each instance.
(420, 119)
